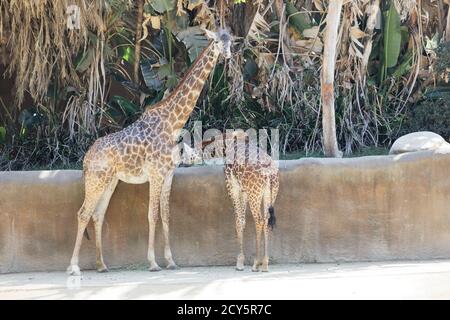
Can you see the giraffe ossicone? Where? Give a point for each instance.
(143, 152)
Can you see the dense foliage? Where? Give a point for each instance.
(71, 86)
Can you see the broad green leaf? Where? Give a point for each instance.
(163, 5)
(172, 81)
(150, 77)
(250, 69)
(85, 61)
(126, 105)
(148, 8)
(433, 43)
(194, 41)
(392, 37)
(405, 35)
(2, 134)
(181, 22)
(164, 71)
(405, 66)
(298, 20)
(128, 54)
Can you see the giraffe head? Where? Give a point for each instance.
(190, 156)
(222, 41)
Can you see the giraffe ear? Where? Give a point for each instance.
(210, 34)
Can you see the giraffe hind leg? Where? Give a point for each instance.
(165, 214)
(269, 222)
(255, 207)
(84, 215)
(98, 217)
(240, 226)
(239, 200)
(93, 192)
(156, 183)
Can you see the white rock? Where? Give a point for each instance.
(419, 141)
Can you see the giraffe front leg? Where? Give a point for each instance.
(240, 205)
(165, 215)
(240, 226)
(153, 214)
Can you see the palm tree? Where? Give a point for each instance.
(330, 144)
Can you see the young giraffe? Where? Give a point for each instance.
(144, 152)
(252, 176)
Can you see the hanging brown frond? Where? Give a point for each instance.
(41, 48)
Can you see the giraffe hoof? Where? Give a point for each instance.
(103, 269)
(73, 271)
(255, 269)
(172, 266)
(239, 268)
(155, 268)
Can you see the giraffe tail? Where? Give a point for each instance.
(272, 219)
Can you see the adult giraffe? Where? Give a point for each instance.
(143, 152)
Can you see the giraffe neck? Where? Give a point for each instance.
(181, 102)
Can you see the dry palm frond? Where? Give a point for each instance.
(44, 24)
(258, 29)
(404, 7)
(44, 52)
(234, 72)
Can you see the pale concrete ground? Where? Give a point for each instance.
(378, 280)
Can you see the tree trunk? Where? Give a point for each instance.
(137, 49)
(242, 16)
(329, 60)
(447, 28)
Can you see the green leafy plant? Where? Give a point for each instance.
(194, 40)
(83, 84)
(443, 59)
(299, 20)
(2, 135)
(392, 38)
(429, 115)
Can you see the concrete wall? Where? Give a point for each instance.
(371, 208)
